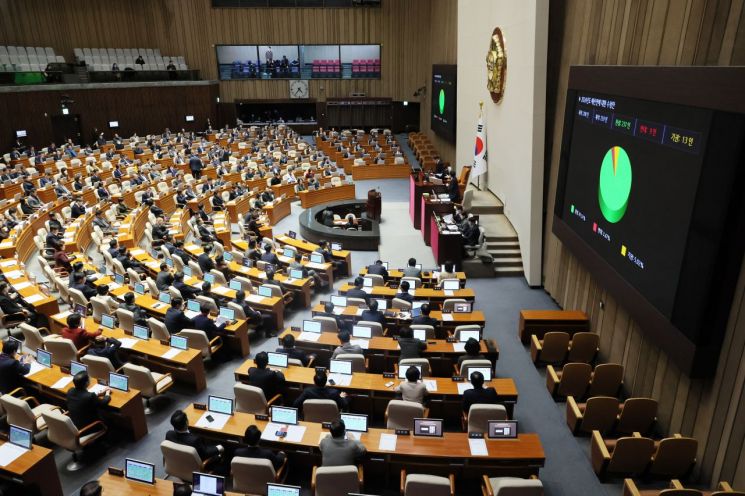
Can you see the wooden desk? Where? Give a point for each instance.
(22, 246)
(539, 322)
(369, 394)
(301, 287)
(435, 296)
(35, 470)
(124, 410)
(416, 188)
(279, 210)
(429, 278)
(371, 171)
(446, 245)
(167, 202)
(132, 228)
(430, 206)
(308, 247)
(112, 484)
(187, 366)
(239, 207)
(28, 289)
(324, 270)
(10, 189)
(316, 197)
(285, 189)
(519, 457)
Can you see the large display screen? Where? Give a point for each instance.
(444, 81)
(631, 184)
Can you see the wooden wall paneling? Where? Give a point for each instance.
(680, 32)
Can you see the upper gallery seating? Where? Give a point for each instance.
(27, 59)
(102, 59)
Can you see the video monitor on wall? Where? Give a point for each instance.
(444, 84)
(648, 196)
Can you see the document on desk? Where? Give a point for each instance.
(362, 343)
(295, 433)
(62, 315)
(340, 379)
(387, 442)
(8, 263)
(128, 343)
(447, 317)
(96, 388)
(34, 297)
(478, 447)
(13, 274)
(170, 353)
(309, 336)
(463, 387)
(62, 382)
(430, 384)
(338, 310)
(35, 367)
(367, 290)
(360, 311)
(218, 421)
(255, 298)
(449, 292)
(21, 285)
(222, 290)
(459, 347)
(136, 251)
(9, 453)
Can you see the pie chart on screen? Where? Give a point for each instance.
(615, 184)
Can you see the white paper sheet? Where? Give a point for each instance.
(430, 384)
(136, 251)
(222, 290)
(96, 388)
(35, 367)
(255, 298)
(387, 442)
(34, 298)
(460, 347)
(367, 290)
(62, 315)
(309, 336)
(447, 317)
(170, 353)
(9, 453)
(62, 382)
(359, 311)
(21, 285)
(8, 263)
(295, 433)
(362, 343)
(478, 447)
(218, 421)
(449, 292)
(13, 274)
(338, 310)
(463, 387)
(128, 343)
(340, 379)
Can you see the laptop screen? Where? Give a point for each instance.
(281, 490)
(187, 271)
(451, 284)
(265, 291)
(81, 309)
(227, 313)
(44, 358)
(502, 429)
(107, 321)
(340, 367)
(428, 427)
(485, 371)
(278, 359)
(288, 252)
(292, 234)
(416, 312)
(179, 342)
(227, 256)
(354, 422)
(210, 278)
(235, 285)
(420, 334)
(118, 278)
(284, 415)
(382, 305)
(118, 381)
(139, 471)
(20, 436)
(402, 370)
(311, 326)
(465, 335)
(462, 308)
(76, 367)
(336, 246)
(367, 282)
(139, 288)
(164, 297)
(218, 404)
(208, 485)
(339, 301)
(363, 332)
(317, 258)
(169, 262)
(296, 273)
(192, 305)
(141, 332)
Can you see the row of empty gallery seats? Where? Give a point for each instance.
(102, 59)
(27, 59)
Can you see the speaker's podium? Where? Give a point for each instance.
(373, 204)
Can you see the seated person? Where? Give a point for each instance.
(410, 346)
(412, 389)
(357, 291)
(204, 323)
(479, 394)
(61, 260)
(82, 405)
(346, 347)
(205, 262)
(328, 311)
(321, 392)
(424, 318)
(164, 279)
(251, 439)
(188, 292)
(270, 257)
(106, 348)
(337, 450)
(270, 381)
(102, 294)
(140, 314)
(379, 269)
(403, 292)
(79, 336)
(180, 435)
(411, 270)
(473, 351)
(175, 319)
(262, 322)
(448, 273)
(288, 346)
(373, 314)
(12, 368)
(91, 488)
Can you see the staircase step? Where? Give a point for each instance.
(508, 262)
(505, 253)
(508, 271)
(486, 209)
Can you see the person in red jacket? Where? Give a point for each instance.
(79, 336)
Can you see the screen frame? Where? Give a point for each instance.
(152, 468)
(271, 415)
(705, 87)
(489, 424)
(442, 428)
(231, 400)
(440, 130)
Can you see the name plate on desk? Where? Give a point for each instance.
(295, 329)
(116, 471)
(476, 435)
(457, 378)
(200, 406)
(326, 425)
(389, 375)
(261, 416)
(403, 432)
(452, 339)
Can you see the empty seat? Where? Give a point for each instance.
(149, 384)
(62, 432)
(625, 456)
(674, 458)
(426, 485)
(251, 475)
(511, 486)
(20, 412)
(636, 415)
(606, 380)
(583, 347)
(250, 399)
(552, 349)
(400, 414)
(336, 481)
(181, 461)
(572, 380)
(479, 416)
(598, 414)
(320, 410)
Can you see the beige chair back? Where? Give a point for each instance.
(356, 302)
(637, 415)
(337, 481)
(414, 282)
(77, 297)
(179, 460)
(377, 328)
(32, 338)
(468, 327)
(219, 277)
(246, 284)
(320, 410)
(358, 361)
(152, 287)
(606, 380)
(449, 304)
(583, 347)
(631, 455)
(674, 458)
(377, 279)
(126, 319)
(206, 300)
(196, 271)
(174, 292)
(197, 340)
(239, 313)
(429, 330)
(100, 307)
(426, 485)
(98, 367)
(575, 378)
(467, 365)
(555, 345)
(61, 431)
(249, 399)
(250, 475)
(514, 486)
(328, 324)
(480, 414)
(140, 379)
(400, 304)
(18, 412)
(423, 362)
(400, 414)
(63, 351)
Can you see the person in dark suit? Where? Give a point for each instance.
(403, 292)
(410, 346)
(205, 262)
(251, 439)
(180, 435)
(77, 209)
(357, 291)
(82, 405)
(81, 286)
(261, 322)
(321, 392)
(328, 311)
(12, 369)
(454, 190)
(288, 346)
(479, 394)
(270, 381)
(164, 278)
(187, 291)
(373, 314)
(424, 318)
(269, 256)
(473, 351)
(195, 166)
(175, 320)
(106, 348)
(471, 232)
(204, 323)
(378, 268)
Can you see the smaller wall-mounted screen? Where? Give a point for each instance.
(444, 80)
(113, 124)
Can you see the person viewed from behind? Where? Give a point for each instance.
(337, 450)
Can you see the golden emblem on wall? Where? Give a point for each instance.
(496, 66)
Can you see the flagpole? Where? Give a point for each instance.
(481, 115)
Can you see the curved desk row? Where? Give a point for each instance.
(325, 195)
